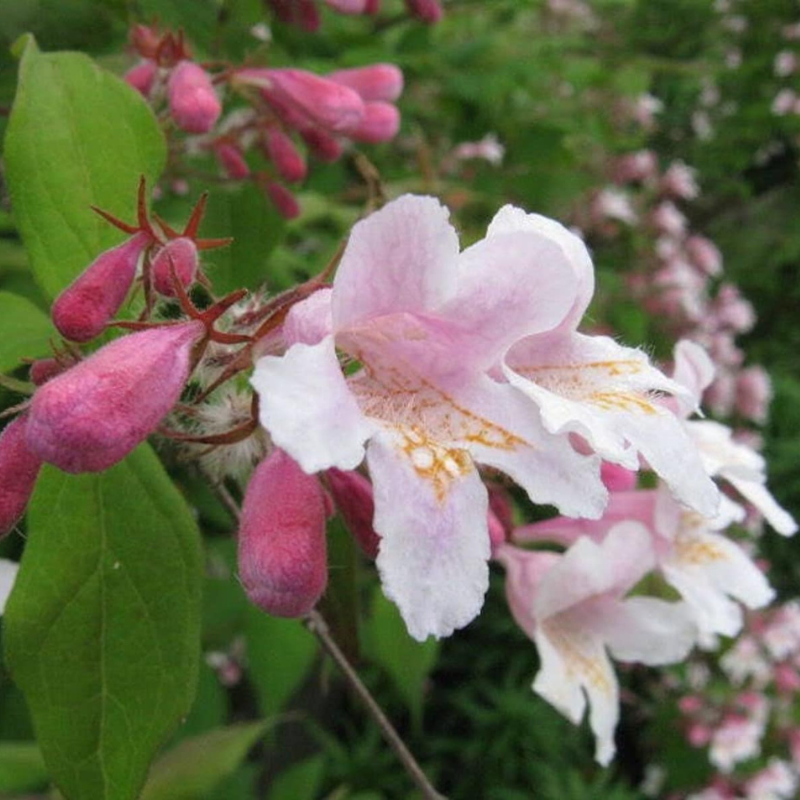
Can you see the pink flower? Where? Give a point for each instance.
(573, 607)
(776, 781)
(426, 324)
(638, 167)
(380, 124)
(704, 254)
(680, 181)
(193, 103)
(737, 739)
(19, 468)
(142, 76)
(282, 547)
(180, 256)
(232, 160)
(94, 414)
(668, 220)
(285, 156)
(429, 11)
(374, 82)
(786, 63)
(753, 393)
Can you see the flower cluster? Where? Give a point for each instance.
(281, 107)
(305, 13)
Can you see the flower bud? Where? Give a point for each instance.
(381, 123)
(427, 10)
(95, 413)
(348, 6)
(282, 546)
(352, 493)
(285, 156)
(374, 82)
(19, 468)
(85, 307)
(142, 76)
(193, 103)
(283, 200)
(322, 145)
(326, 103)
(180, 254)
(231, 160)
(43, 369)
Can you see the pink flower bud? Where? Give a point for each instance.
(285, 156)
(283, 200)
(19, 468)
(374, 82)
(232, 161)
(142, 76)
(95, 413)
(43, 369)
(282, 546)
(497, 533)
(352, 493)
(193, 103)
(322, 145)
(381, 123)
(427, 10)
(348, 6)
(180, 253)
(326, 103)
(85, 307)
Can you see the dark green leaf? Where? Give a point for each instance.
(102, 629)
(22, 768)
(78, 136)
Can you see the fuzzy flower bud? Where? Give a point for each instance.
(352, 493)
(427, 10)
(231, 160)
(95, 413)
(323, 102)
(285, 156)
(374, 82)
(283, 200)
(193, 103)
(381, 123)
(85, 307)
(180, 254)
(19, 468)
(282, 546)
(43, 369)
(142, 76)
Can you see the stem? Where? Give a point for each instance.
(317, 625)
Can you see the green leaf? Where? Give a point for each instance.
(78, 136)
(24, 331)
(196, 766)
(299, 781)
(407, 662)
(102, 629)
(256, 228)
(280, 655)
(22, 768)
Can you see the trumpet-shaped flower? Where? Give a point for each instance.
(603, 391)
(573, 607)
(422, 326)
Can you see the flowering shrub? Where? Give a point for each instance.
(471, 352)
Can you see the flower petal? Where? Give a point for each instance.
(434, 549)
(490, 311)
(309, 321)
(601, 390)
(758, 494)
(401, 258)
(308, 409)
(510, 220)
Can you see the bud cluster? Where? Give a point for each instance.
(284, 107)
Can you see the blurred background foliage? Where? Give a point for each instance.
(555, 92)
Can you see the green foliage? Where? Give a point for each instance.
(102, 629)
(78, 136)
(196, 766)
(300, 781)
(25, 331)
(22, 768)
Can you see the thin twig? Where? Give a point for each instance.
(317, 625)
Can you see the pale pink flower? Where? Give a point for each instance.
(426, 324)
(704, 254)
(781, 636)
(776, 781)
(640, 166)
(791, 32)
(613, 204)
(576, 613)
(786, 63)
(733, 462)
(737, 739)
(645, 108)
(753, 393)
(746, 661)
(784, 102)
(489, 149)
(668, 220)
(680, 181)
(594, 387)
